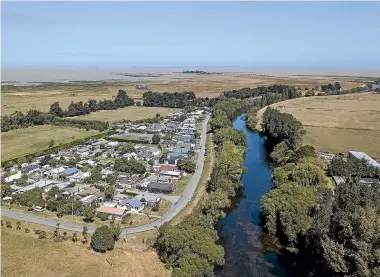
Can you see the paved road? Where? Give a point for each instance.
(172, 212)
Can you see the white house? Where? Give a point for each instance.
(13, 177)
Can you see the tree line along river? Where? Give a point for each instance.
(248, 250)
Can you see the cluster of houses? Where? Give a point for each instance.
(354, 155)
(69, 168)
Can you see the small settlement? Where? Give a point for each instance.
(328, 157)
(139, 160)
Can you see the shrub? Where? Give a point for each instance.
(42, 235)
(102, 239)
(104, 216)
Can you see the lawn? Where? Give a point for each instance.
(26, 255)
(338, 123)
(164, 206)
(128, 113)
(20, 142)
(181, 184)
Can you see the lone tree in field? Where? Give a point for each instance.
(102, 239)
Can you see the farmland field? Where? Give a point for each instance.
(338, 123)
(127, 113)
(26, 255)
(20, 142)
(23, 98)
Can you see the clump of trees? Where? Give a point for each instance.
(18, 120)
(279, 127)
(83, 124)
(331, 87)
(129, 166)
(332, 232)
(79, 108)
(251, 118)
(352, 168)
(170, 100)
(33, 117)
(187, 165)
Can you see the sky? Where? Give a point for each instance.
(175, 34)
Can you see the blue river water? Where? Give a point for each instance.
(248, 250)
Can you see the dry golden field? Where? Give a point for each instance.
(20, 142)
(41, 97)
(26, 255)
(128, 113)
(338, 123)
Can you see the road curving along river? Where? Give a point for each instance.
(248, 251)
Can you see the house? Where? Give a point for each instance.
(13, 177)
(30, 168)
(55, 172)
(369, 181)
(362, 155)
(135, 204)
(83, 151)
(153, 150)
(130, 156)
(79, 176)
(160, 187)
(182, 147)
(112, 144)
(173, 154)
(149, 199)
(338, 180)
(118, 213)
(146, 156)
(167, 167)
(171, 174)
(69, 171)
(184, 138)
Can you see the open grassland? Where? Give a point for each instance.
(338, 123)
(40, 97)
(20, 142)
(343, 140)
(127, 113)
(26, 255)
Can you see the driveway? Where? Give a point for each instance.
(183, 200)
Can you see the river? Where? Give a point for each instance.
(248, 251)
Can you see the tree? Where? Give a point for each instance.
(288, 207)
(158, 115)
(310, 93)
(104, 216)
(74, 237)
(187, 165)
(89, 213)
(51, 143)
(56, 110)
(102, 239)
(18, 225)
(115, 230)
(156, 139)
(337, 86)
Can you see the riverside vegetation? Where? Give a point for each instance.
(190, 247)
(336, 231)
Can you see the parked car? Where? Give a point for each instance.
(38, 209)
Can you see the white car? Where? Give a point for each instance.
(38, 209)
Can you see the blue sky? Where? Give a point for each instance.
(252, 34)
